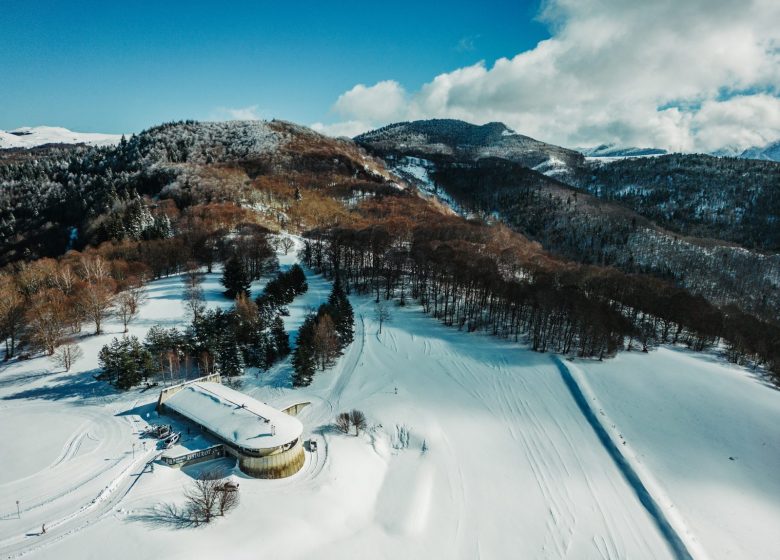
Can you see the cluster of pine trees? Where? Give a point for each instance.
(249, 335)
(323, 336)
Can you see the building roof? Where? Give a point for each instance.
(235, 417)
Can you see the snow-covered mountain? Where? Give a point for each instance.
(29, 137)
(614, 151)
(457, 140)
(770, 152)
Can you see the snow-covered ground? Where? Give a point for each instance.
(706, 436)
(29, 137)
(476, 448)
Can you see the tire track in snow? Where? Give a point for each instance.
(351, 363)
(96, 510)
(672, 537)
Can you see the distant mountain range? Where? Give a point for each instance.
(30, 137)
(614, 151)
(770, 152)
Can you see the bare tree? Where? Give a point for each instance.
(11, 313)
(203, 496)
(227, 497)
(46, 319)
(343, 422)
(67, 354)
(358, 420)
(94, 269)
(381, 313)
(285, 243)
(325, 341)
(97, 299)
(128, 303)
(194, 300)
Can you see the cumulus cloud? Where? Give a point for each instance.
(344, 128)
(249, 113)
(381, 102)
(688, 76)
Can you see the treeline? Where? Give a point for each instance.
(577, 226)
(695, 194)
(249, 335)
(323, 336)
(476, 277)
(61, 199)
(45, 303)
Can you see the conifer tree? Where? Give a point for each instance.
(280, 338)
(303, 360)
(342, 314)
(235, 278)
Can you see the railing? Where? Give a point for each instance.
(168, 392)
(214, 451)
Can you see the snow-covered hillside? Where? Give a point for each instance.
(477, 448)
(770, 152)
(616, 152)
(29, 137)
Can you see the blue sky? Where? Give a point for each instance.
(121, 67)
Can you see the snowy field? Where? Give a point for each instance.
(512, 467)
(29, 137)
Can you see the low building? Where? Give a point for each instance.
(266, 441)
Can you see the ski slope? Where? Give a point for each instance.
(477, 448)
(705, 435)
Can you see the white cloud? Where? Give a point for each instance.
(344, 128)
(250, 113)
(381, 102)
(692, 75)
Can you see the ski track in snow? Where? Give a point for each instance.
(650, 503)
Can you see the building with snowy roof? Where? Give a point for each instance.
(266, 441)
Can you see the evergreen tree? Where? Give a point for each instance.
(281, 340)
(125, 363)
(229, 358)
(298, 279)
(235, 278)
(303, 360)
(342, 314)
